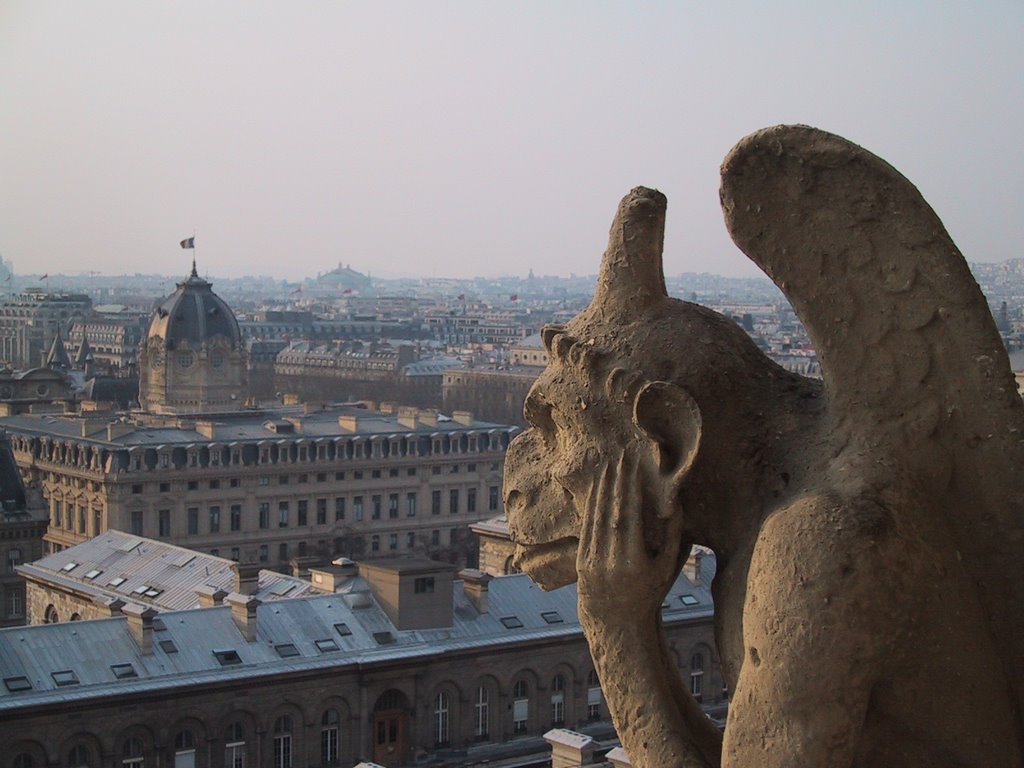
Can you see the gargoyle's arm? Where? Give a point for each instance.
(621, 588)
(810, 628)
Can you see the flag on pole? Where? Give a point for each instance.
(45, 276)
(462, 297)
(298, 290)
(189, 242)
(514, 297)
(347, 290)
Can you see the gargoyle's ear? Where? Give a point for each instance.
(671, 419)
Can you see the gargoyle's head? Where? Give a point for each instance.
(600, 397)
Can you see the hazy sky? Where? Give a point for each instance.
(472, 138)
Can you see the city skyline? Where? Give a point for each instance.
(471, 140)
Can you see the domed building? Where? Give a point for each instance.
(193, 360)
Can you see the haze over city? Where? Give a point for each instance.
(469, 138)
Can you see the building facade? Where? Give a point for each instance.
(266, 486)
(22, 525)
(398, 664)
(31, 319)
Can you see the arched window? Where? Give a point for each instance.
(234, 746)
(79, 757)
(441, 719)
(558, 701)
(697, 676)
(131, 753)
(184, 750)
(483, 713)
(283, 742)
(75, 617)
(594, 697)
(50, 615)
(24, 760)
(329, 728)
(520, 706)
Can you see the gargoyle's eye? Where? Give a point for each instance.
(538, 413)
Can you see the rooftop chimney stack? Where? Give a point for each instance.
(209, 596)
(247, 578)
(477, 585)
(140, 624)
(618, 758)
(569, 749)
(243, 611)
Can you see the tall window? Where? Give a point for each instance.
(392, 506)
(135, 524)
(339, 508)
(697, 676)
(164, 518)
(15, 603)
(321, 511)
(303, 512)
(483, 700)
(329, 737)
(214, 519)
(184, 750)
(520, 706)
(593, 696)
(357, 507)
(435, 502)
(13, 558)
(78, 757)
(410, 505)
(492, 498)
(283, 742)
(453, 501)
(441, 719)
(558, 700)
(282, 514)
(376, 507)
(131, 753)
(264, 514)
(236, 517)
(234, 746)
(471, 500)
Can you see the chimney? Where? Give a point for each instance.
(569, 749)
(209, 596)
(247, 578)
(692, 567)
(428, 418)
(463, 417)
(331, 578)
(140, 624)
(476, 583)
(618, 758)
(108, 606)
(407, 417)
(243, 611)
(349, 421)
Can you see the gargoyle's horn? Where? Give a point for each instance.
(631, 270)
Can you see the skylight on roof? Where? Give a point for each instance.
(689, 600)
(158, 624)
(511, 622)
(67, 567)
(383, 638)
(140, 590)
(117, 582)
(92, 574)
(326, 646)
(122, 671)
(227, 656)
(154, 592)
(552, 617)
(286, 650)
(168, 646)
(17, 684)
(65, 677)
(342, 629)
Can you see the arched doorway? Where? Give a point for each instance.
(391, 728)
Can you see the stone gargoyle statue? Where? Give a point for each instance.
(869, 528)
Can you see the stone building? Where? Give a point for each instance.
(30, 320)
(398, 663)
(494, 393)
(113, 336)
(266, 486)
(22, 525)
(99, 577)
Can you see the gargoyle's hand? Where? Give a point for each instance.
(625, 571)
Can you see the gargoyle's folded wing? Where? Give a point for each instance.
(914, 368)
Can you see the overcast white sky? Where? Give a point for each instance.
(472, 138)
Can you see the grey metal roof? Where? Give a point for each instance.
(174, 572)
(90, 649)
